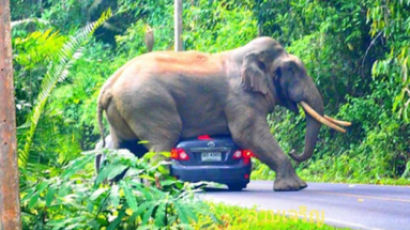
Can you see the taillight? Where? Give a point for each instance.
(179, 154)
(174, 154)
(183, 156)
(237, 154)
(245, 154)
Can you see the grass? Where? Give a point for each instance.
(234, 217)
(380, 181)
(262, 172)
(330, 179)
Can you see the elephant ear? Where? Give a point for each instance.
(253, 74)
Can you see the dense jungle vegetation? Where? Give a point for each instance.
(356, 51)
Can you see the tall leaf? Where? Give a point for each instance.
(161, 214)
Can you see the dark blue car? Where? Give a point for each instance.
(215, 159)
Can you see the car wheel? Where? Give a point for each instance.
(236, 187)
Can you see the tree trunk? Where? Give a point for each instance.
(9, 180)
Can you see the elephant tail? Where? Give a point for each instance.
(103, 100)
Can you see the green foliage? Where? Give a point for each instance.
(32, 55)
(75, 199)
(69, 53)
(216, 26)
(157, 14)
(391, 21)
(357, 54)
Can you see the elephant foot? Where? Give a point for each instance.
(293, 183)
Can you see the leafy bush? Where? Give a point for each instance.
(75, 199)
(217, 26)
(32, 55)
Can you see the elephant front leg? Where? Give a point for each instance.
(252, 132)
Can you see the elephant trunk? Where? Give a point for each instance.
(312, 128)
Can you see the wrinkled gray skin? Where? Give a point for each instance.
(163, 97)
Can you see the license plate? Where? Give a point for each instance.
(211, 156)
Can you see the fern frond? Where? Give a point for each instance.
(161, 215)
(58, 72)
(181, 212)
(28, 20)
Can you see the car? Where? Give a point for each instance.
(205, 158)
(214, 159)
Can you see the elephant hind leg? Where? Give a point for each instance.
(159, 136)
(160, 128)
(133, 145)
(119, 128)
(152, 116)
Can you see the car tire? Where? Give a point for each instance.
(236, 187)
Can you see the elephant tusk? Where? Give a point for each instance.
(338, 122)
(321, 119)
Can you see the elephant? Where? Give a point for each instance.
(162, 97)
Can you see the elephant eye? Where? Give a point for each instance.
(261, 65)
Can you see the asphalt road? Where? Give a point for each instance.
(342, 205)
